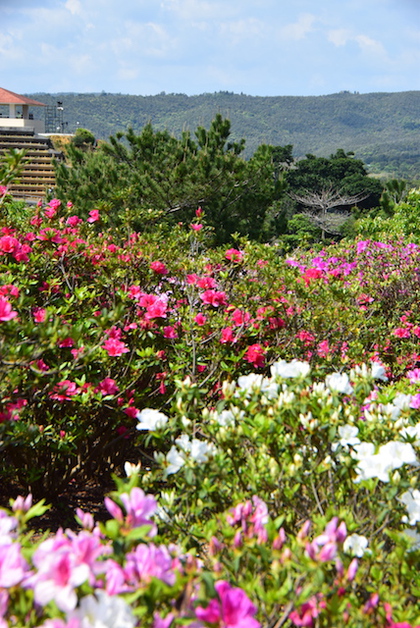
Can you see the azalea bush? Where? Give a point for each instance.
(97, 324)
(263, 406)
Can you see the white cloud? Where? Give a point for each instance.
(74, 6)
(298, 30)
(339, 36)
(369, 45)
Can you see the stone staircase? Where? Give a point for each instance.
(38, 175)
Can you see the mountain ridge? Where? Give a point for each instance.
(382, 128)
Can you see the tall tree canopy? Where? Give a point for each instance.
(156, 176)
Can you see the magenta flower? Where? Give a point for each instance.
(39, 314)
(255, 355)
(115, 347)
(94, 216)
(196, 227)
(139, 507)
(107, 386)
(232, 609)
(149, 561)
(170, 332)
(233, 255)
(227, 335)
(65, 390)
(214, 298)
(200, 319)
(307, 613)
(6, 311)
(159, 268)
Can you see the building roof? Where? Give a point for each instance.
(10, 98)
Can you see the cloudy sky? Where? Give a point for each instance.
(258, 47)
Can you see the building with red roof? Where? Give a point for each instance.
(19, 115)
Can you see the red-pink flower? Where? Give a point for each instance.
(213, 297)
(170, 332)
(307, 613)
(107, 386)
(401, 332)
(115, 347)
(200, 319)
(94, 215)
(205, 283)
(39, 314)
(6, 311)
(255, 355)
(233, 255)
(65, 390)
(73, 221)
(227, 335)
(159, 267)
(196, 227)
(9, 244)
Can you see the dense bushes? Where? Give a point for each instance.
(268, 403)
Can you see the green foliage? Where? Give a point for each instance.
(404, 221)
(11, 165)
(155, 177)
(381, 128)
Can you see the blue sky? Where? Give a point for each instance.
(258, 47)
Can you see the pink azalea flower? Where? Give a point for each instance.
(196, 227)
(200, 319)
(39, 314)
(414, 376)
(73, 221)
(255, 355)
(233, 255)
(401, 332)
(159, 268)
(13, 567)
(94, 216)
(307, 613)
(206, 283)
(139, 507)
(232, 609)
(6, 311)
(170, 332)
(227, 335)
(55, 203)
(3, 190)
(107, 386)
(115, 347)
(214, 298)
(65, 390)
(8, 244)
(147, 562)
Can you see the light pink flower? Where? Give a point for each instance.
(6, 311)
(139, 507)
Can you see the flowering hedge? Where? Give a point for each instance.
(320, 531)
(96, 325)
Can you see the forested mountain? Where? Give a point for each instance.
(383, 129)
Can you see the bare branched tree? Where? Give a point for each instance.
(320, 206)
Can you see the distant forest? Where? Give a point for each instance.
(382, 129)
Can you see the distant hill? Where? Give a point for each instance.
(383, 129)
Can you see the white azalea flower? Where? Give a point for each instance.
(356, 545)
(150, 419)
(250, 383)
(284, 369)
(412, 432)
(414, 538)
(175, 460)
(339, 382)
(411, 500)
(131, 469)
(348, 437)
(378, 371)
(398, 453)
(104, 611)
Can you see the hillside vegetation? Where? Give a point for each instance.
(381, 128)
